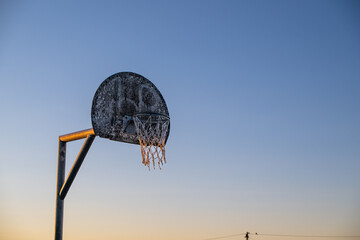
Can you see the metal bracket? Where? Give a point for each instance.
(76, 166)
(126, 121)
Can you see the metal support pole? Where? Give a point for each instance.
(75, 168)
(59, 214)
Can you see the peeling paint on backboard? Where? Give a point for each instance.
(117, 99)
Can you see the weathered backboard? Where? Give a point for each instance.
(117, 99)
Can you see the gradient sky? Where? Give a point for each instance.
(264, 99)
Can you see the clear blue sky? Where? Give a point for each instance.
(264, 98)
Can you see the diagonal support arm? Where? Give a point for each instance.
(77, 164)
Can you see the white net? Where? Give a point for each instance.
(152, 131)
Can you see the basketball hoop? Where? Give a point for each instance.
(129, 108)
(152, 131)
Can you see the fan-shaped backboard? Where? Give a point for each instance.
(117, 99)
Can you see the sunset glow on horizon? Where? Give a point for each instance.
(265, 124)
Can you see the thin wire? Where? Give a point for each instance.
(304, 236)
(228, 236)
(281, 235)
